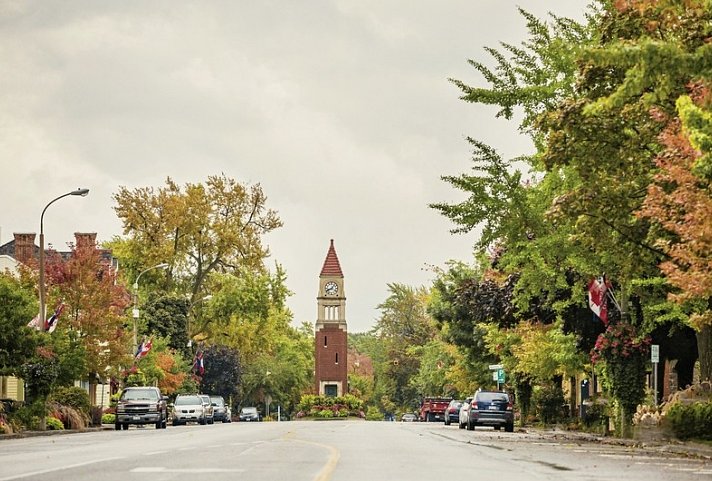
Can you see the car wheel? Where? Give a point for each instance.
(509, 427)
(117, 426)
(497, 428)
(203, 421)
(461, 425)
(125, 426)
(176, 423)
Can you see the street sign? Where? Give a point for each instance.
(655, 353)
(494, 376)
(500, 376)
(495, 367)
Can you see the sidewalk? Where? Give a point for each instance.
(685, 448)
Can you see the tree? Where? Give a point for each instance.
(167, 316)
(404, 323)
(222, 371)
(680, 201)
(199, 229)
(95, 307)
(17, 308)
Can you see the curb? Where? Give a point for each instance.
(685, 448)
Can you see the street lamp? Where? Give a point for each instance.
(80, 192)
(162, 265)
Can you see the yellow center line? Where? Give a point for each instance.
(328, 470)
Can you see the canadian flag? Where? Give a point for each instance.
(597, 298)
(143, 349)
(198, 363)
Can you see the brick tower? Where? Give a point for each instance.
(330, 340)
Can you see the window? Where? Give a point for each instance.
(337, 358)
(325, 343)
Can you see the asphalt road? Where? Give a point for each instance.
(332, 451)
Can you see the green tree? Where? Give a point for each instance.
(167, 316)
(222, 371)
(17, 307)
(404, 323)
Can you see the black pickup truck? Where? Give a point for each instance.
(141, 405)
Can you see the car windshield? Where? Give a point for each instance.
(492, 396)
(249, 410)
(140, 395)
(218, 401)
(185, 400)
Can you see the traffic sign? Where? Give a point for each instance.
(500, 376)
(655, 353)
(495, 367)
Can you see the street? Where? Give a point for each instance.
(332, 451)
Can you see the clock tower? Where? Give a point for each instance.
(330, 340)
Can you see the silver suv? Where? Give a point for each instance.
(188, 408)
(209, 410)
(249, 414)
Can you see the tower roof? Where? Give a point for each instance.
(331, 263)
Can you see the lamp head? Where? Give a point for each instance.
(82, 192)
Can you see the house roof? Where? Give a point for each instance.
(331, 263)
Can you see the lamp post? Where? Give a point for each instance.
(80, 192)
(162, 265)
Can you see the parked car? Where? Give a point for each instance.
(452, 412)
(433, 408)
(209, 410)
(464, 413)
(221, 411)
(491, 408)
(249, 414)
(188, 408)
(409, 418)
(141, 405)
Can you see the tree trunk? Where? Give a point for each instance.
(704, 351)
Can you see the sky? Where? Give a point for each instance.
(340, 109)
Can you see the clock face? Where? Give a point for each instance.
(331, 288)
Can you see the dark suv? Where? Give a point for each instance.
(491, 408)
(221, 411)
(141, 405)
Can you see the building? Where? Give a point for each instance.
(331, 335)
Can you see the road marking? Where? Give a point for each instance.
(154, 452)
(61, 468)
(328, 470)
(162, 469)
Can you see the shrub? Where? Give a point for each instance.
(373, 414)
(70, 417)
(549, 403)
(27, 416)
(108, 418)
(690, 420)
(54, 424)
(74, 397)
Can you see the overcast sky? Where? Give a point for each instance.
(340, 109)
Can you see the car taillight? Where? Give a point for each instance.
(509, 406)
